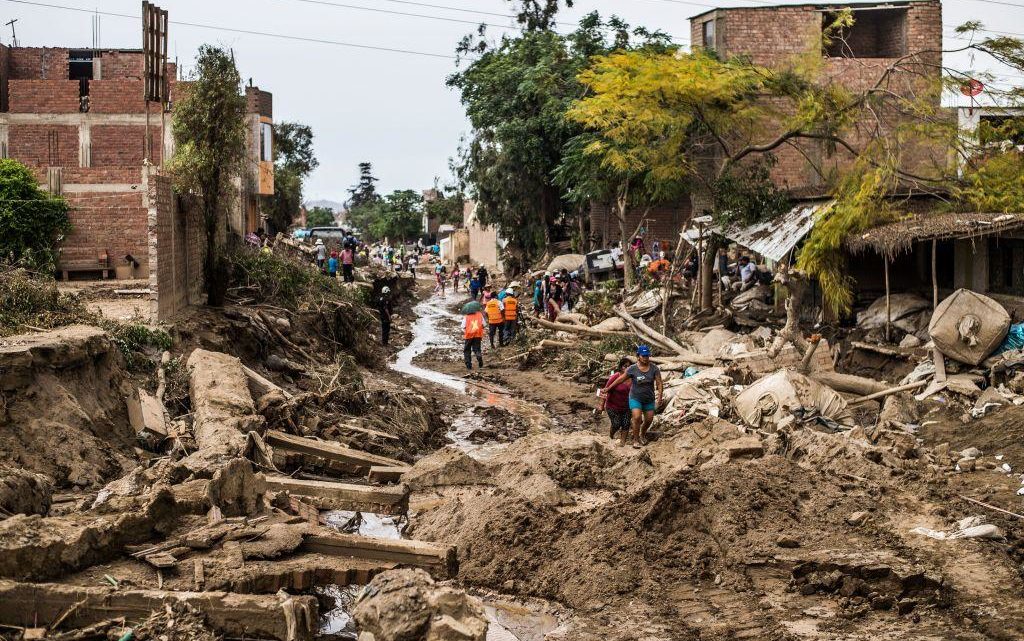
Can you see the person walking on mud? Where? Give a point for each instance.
(385, 309)
(645, 393)
(511, 323)
(616, 401)
(495, 319)
(473, 333)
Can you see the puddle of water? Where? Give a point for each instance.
(373, 525)
(428, 334)
(337, 621)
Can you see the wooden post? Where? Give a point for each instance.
(700, 257)
(935, 280)
(888, 305)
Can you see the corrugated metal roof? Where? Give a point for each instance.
(772, 239)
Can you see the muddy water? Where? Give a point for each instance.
(428, 333)
(507, 621)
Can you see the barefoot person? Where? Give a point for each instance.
(616, 401)
(644, 394)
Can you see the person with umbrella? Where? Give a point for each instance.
(473, 333)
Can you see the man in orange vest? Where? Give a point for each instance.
(511, 323)
(473, 331)
(495, 318)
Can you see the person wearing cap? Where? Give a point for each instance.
(332, 265)
(645, 393)
(385, 310)
(511, 323)
(321, 254)
(495, 317)
(554, 303)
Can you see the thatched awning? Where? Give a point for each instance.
(897, 237)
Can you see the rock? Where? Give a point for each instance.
(966, 464)
(509, 586)
(882, 603)
(941, 453)
(749, 446)
(448, 466)
(850, 586)
(971, 452)
(24, 492)
(807, 589)
(910, 341)
(787, 542)
(906, 605)
(857, 518)
(406, 605)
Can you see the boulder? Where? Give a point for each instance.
(406, 605)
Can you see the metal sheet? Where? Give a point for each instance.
(772, 239)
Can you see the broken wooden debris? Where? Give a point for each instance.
(391, 499)
(387, 474)
(260, 385)
(235, 615)
(366, 431)
(439, 559)
(578, 329)
(888, 392)
(358, 461)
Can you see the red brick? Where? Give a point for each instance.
(43, 145)
(44, 96)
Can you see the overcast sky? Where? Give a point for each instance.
(390, 108)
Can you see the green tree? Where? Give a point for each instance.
(320, 217)
(397, 217)
(293, 161)
(516, 94)
(447, 207)
(210, 133)
(32, 221)
(364, 192)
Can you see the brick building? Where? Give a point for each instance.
(771, 36)
(78, 119)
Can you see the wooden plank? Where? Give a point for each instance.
(260, 385)
(392, 499)
(386, 474)
(305, 510)
(369, 432)
(440, 559)
(330, 451)
(199, 573)
(233, 615)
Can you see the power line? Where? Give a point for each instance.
(243, 31)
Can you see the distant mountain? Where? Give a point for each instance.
(330, 204)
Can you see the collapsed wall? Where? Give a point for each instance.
(63, 410)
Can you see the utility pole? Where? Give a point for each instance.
(14, 36)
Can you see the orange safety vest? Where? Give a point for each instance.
(474, 325)
(493, 308)
(511, 304)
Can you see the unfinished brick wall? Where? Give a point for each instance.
(43, 96)
(663, 222)
(39, 63)
(121, 64)
(5, 75)
(111, 221)
(772, 36)
(124, 145)
(43, 145)
(176, 249)
(122, 96)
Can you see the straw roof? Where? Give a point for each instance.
(893, 238)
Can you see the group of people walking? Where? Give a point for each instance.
(498, 313)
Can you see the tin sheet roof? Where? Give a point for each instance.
(772, 239)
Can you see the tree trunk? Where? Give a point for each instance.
(214, 264)
(584, 228)
(627, 253)
(707, 266)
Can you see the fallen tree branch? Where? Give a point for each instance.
(645, 331)
(889, 392)
(579, 329)
(991, 507)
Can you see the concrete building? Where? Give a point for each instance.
(485, 244)
(78, 119)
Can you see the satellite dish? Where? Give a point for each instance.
(972, 88)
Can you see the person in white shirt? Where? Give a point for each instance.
(746, 271)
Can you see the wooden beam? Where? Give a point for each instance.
(385, 474)
(260, 385)
(233, 615)
(360, 461)
(888, 303)
(440, 559)
(391, 499)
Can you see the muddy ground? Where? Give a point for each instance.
(705, 535)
